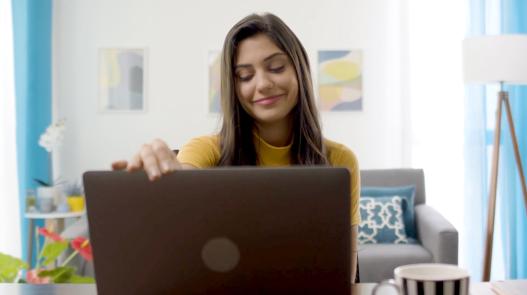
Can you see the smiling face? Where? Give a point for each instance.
(266, 83)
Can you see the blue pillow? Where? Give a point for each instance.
(407, 193)
(382, 221)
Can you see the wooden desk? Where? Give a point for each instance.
(90, 289)
(62, 289)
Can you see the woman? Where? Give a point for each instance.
(269, 114)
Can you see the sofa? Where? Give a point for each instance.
(437, 239)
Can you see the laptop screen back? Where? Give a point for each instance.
(221, 231)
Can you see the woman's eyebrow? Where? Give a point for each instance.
(265, 59)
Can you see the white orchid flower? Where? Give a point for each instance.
(53, 136)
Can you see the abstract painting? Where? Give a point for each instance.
(340, 80)
(122, 79)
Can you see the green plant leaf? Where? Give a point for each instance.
(9, 268)
(52, 250)
(75, 279)
(58, 275)
(41, 182)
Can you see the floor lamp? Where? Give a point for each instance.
(497, 59)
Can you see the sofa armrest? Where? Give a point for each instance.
(436, 234)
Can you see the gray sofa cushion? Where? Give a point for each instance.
(377, 261)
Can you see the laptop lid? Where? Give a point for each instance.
(221, 231)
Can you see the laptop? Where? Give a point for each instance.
(221, 231)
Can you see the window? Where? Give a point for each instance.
(9, 196)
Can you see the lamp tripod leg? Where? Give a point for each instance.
(487, 256)
(516, 151)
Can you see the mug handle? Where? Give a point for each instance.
(390, 282)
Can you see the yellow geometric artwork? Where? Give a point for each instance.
(340, 80)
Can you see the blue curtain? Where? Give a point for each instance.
(32, 50)
(513, 217)
(479, 131)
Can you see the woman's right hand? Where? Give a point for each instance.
(155, 158)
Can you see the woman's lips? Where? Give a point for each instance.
(268, 100)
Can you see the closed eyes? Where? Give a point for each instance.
(277, 69)
(247, 77)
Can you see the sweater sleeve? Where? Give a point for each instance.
(342, 156)
(201, 152)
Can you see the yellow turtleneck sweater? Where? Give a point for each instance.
(204, 152)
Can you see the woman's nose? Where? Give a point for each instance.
(264, 82)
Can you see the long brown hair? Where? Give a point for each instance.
(236, 137)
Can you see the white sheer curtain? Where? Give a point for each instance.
(9, 204)
(437, 96)
(436, 30)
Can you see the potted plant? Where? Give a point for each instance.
(45, 272)
(49, 194)
(75, 196)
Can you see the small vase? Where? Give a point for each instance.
(76, 203)
(46, 198)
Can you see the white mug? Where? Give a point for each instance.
(428, 279)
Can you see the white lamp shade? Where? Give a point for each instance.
(491, 59)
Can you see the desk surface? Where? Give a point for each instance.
(90, 289)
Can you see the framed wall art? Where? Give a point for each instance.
(122, 79)
(340, 80)
(214, 59)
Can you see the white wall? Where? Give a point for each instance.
(178, 36)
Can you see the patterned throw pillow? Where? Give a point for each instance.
(382, 221)
(408, 195)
